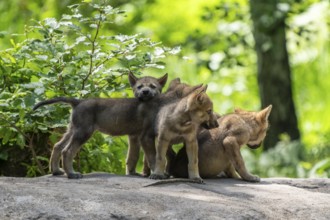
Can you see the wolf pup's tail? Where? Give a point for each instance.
(72, 101)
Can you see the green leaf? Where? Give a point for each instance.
(320, 167)
(51, 22)
(20, 140)
(21, 113)
(4, 155)
(80, 39)
(6, 136)
(74, 6)
(66, 17)
(34, 79)
(42, 127)
(3, 34)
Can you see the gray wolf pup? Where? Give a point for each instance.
(180, 122)
(122, 116)
(219, 149)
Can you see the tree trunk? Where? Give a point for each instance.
(274, 75)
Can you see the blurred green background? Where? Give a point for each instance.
(48, 49)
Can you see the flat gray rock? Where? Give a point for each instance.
(107, 196)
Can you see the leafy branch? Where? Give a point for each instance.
(27, 139)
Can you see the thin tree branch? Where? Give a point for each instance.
(91, 60)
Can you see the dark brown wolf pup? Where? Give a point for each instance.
(125, 116)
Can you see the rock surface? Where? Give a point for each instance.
(107, 196)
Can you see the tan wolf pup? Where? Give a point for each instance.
(179, 122)
(122, 116)
(219, 149)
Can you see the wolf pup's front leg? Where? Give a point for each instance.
(232, 148)
(192, 153)
(161, 149)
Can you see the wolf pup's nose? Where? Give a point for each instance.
(145, 92)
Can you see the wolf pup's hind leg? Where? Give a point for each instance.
(79, 137)
(56, 153)
(132, 154)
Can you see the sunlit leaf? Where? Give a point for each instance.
(80, 39)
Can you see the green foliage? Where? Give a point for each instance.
(288, 159)
(57, 55)
(73, 56)
(98, 156)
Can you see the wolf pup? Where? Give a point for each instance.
(177, 90)
(125, 116)
(219, 149)
(181, 121)
(144, 88)
(139, 87)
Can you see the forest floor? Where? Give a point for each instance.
(108, 196)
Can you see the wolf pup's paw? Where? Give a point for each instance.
(253, 178)
(58, 172)
(146, 172)
(134, 174)
(76, 175)
(198, 180)
(158, 177)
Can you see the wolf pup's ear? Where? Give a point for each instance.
(174, 84)
(239, 110)
(195, 97)
(162, 80)
(200, 92)
(191, 89)
(204, 88)
(196, 87)
(201, 89)
(264, 114)
(132, 79)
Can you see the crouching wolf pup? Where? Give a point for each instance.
(125, 116)
(219, 149)
(179, 122)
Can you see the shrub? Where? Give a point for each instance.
(78, 56)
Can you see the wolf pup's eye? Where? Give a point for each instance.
(139, 87)
(153, 86)
(209, 112)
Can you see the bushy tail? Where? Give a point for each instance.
(72, 101)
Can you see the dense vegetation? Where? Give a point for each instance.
(86, 49)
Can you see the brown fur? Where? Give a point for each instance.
(219, 149)
(179, 122)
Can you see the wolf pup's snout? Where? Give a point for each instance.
(146, 93)
(255, 146)
(212, 122)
